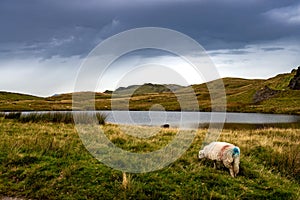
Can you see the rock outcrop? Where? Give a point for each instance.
(264, 94)
(295, 82)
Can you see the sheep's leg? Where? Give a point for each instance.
(236, 166)
(215, 164)
(230, 167)
(231, 172)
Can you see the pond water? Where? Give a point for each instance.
(191, 118)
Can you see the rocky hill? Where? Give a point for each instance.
(295, 81)
(275, 95)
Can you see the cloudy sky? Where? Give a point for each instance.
(43, 42)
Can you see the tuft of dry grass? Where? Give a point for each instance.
(126, 182)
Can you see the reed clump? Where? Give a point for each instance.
(2, 114)
(54, 117)
(12, 115)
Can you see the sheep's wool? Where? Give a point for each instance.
(216, 150)
(225, 152)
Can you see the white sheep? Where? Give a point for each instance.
(228, 153)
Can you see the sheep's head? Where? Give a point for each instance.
(201, 154)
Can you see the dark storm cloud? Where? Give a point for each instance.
(46, 28)
(273, 49)
(49, 28)
(229, 52)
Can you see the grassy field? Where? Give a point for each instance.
(46, 160)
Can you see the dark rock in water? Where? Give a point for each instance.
(264, 94)
(165, 126)
(295, 82)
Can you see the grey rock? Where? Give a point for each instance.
(295, 82)
(264, 94)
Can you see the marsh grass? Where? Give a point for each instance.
(12, 115)
(2, 114)
(48, 161)
(87, 118)
(54, 117)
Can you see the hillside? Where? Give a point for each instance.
(285, 100)
(239, 95)
(10, 96)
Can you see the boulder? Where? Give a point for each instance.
(295, 82)
(264, 94)
(165, 126)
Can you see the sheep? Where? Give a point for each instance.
(228, 153)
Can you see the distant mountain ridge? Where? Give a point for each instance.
(148, 88)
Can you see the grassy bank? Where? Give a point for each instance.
(48, 161)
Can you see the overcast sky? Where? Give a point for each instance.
(43, 42)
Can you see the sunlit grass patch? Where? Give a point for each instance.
(150, 139)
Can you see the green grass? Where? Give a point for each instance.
(10, 96)
(48, 161)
